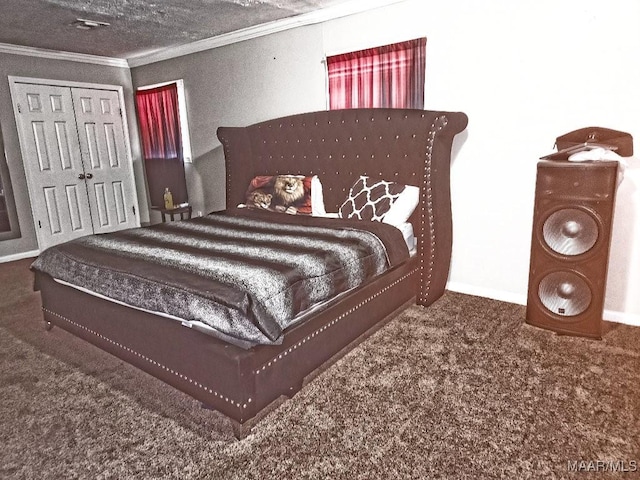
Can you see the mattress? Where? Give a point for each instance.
(191, 272)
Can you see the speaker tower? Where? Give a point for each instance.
(570, 245)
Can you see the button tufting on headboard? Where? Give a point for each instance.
(388, 144)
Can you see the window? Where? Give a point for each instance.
(165, 139)
(391, 76)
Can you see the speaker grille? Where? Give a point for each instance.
(564, 293)
(570, 231)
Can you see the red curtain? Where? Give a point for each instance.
(159, 122)
(391, 76)
(160, 134)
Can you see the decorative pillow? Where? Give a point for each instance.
(317, 198)
(281, 193)
(369, 199)
(403, 207)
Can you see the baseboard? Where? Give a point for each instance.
(19, 256)
(487, 293)
(621, 317)
(608, 315)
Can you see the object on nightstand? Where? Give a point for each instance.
(168, 199)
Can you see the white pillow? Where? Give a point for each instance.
(317, 198)
(403, 207)
(407, 232)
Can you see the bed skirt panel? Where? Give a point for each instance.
(238, 383)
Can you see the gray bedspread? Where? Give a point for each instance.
(247, 274)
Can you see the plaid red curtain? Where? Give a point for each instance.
(159, 122)
(391, 76)
(160, 134)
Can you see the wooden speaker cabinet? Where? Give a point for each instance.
(570, 244)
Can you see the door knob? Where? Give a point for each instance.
(89, 176)
(81, 176)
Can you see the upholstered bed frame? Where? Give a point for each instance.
(407, 146)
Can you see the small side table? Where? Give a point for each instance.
(184, 212)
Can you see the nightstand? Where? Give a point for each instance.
(184, 211)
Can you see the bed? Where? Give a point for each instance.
(242, 367)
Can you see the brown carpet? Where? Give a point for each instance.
(463, 389)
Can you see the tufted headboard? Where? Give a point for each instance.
(412, 147)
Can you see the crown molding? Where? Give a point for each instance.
(59, 55)
(330, 13)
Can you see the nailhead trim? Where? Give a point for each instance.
(227, 149)
(149, 360)
(427, 211)
(324, 328)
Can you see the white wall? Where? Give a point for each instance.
(525, 72)
(236, 85)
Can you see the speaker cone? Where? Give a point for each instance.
(570, 231)
(564, 293)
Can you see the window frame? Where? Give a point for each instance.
(185, 135)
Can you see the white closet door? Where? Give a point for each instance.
(53, 165)
(79, 172)
(107, 169)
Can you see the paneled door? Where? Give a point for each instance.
(78, 170)
(107, 169)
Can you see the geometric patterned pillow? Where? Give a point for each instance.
(369, 199)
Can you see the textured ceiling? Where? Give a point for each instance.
(137, 27)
